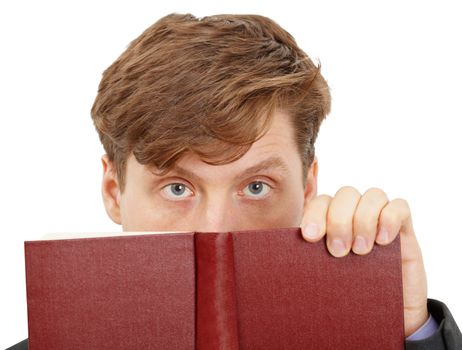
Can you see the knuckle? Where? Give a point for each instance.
(402, 203)
(338, 226)
(376, 191)
(390, 217)
(321, 201)
(349, 189)
(324, 197)
(337, 219)
(364, 221)
(365, 216)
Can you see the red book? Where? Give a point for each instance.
(258, 289)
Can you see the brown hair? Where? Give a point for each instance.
(208, 86)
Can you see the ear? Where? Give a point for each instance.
(311, 183)
(110, 190)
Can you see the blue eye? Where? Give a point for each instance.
(176, 190)
(257, 189)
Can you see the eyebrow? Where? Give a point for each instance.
(272, 163)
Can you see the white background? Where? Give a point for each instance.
(395, 74)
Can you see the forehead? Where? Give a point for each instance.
(275, 151)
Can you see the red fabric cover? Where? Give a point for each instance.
(260, 289)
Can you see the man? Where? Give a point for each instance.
(209, 125)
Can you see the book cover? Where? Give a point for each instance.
(255, 289)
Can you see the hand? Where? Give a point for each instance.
(354, 220)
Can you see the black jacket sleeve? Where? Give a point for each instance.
(447, 337)
(23, 345)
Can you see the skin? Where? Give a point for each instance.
(204, 197)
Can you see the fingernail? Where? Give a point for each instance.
(311, 230)
(383, 235)
(360, 244)
(338, 247)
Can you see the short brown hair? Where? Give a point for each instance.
(208, 86)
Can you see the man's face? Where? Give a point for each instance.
(263, 189)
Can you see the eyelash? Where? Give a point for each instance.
(265, 185)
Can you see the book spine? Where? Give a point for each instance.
(216, 308)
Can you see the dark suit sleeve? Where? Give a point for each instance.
(447, 337)
(23, 345)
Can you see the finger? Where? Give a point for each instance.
(365, 220)
(395, 217)
(340, 220)
(314, 218)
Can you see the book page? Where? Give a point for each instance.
(71, 235)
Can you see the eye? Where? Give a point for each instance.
(257, 189)
(176, 191)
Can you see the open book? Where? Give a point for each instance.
(256, 289)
